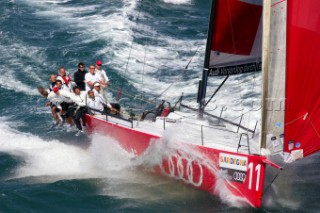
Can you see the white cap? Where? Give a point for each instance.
(97, 84)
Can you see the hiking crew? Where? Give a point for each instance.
(113, 107)
(79, 99)
(91, 78)
(63, 77)
(53, 79)
(62, 100)
(79, 77)
(70, 105)
(104, 80)
(95, 103)
(61, 86)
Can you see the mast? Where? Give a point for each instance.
(265, 70)
(205, 72)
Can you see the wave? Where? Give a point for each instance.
(114, 171)
(178, 1)
(120, 27)
(16, 63)
(60, 159)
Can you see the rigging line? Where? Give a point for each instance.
(175, 41)
(125, 72)
(274, 178)
(154, 102)
(233, 120)
(215, 92)
(299, 132)
(181, 75)
(254, 85)
(133, 96)
(314, 128)
(165, 90)
(192, 57)
(294, 120)
(144, 63)
(138, 98)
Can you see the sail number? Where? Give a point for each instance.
(257, 172)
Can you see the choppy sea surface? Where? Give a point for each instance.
(145, 47)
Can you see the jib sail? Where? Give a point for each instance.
(302, 114)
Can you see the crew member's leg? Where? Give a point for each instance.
(82, 116)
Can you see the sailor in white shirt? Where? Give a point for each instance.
(79, 99)
(104, 80)
(62, 86)
(91, 78)
(113, 107)
(62, 100)
(96, 103)
(99, 71)
(59, 97)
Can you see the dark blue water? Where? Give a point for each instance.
(144, 46)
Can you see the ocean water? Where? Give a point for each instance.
(145, 47)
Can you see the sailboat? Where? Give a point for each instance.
(279, 37)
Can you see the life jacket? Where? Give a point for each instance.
(66, 79)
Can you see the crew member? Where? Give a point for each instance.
(95, 104)
(64, 78)
(90, 78)
(61, 86)
(62, 100)
(79, 77)
(45, 94)
(79, 99)
(113, 107)
(53, 79)
(102, 74)
(104, 80)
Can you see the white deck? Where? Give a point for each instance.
(185, 127)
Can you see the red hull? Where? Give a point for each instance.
(218, 172)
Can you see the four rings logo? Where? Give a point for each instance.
(188, 170)
(239, 176)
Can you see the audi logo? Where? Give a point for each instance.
(239, 176)
(184, 168)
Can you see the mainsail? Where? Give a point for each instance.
(236, 37)
(302, 115)
(234, 41)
